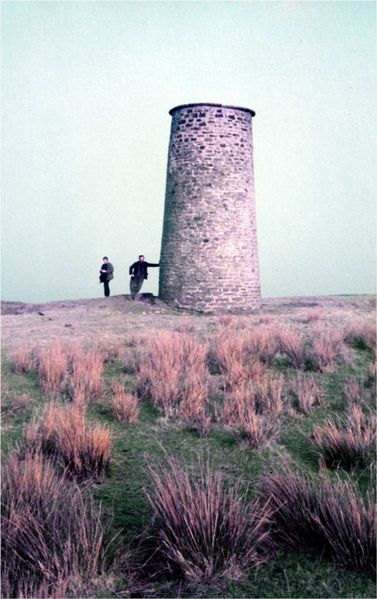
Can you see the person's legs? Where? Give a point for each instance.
(106, 288)
(135, 286)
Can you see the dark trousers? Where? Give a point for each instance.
(106, 288)
(135, 285)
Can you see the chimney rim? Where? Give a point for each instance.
(181, 106)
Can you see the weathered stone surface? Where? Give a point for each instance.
(209, 256)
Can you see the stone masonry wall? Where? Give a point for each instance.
(209, 257)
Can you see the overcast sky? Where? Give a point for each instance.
(86, 91)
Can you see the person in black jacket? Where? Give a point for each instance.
(139, 272)
(106, 274)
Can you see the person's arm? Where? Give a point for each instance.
(150, 264)
(131, 271)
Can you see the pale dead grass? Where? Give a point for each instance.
(125, 405)
(53, 541)
(64, 432)
(173, 373)
(305, 391)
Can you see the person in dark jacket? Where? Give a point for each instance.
(139, 272)
(106, 274)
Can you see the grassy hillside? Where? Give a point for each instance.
(118, 397)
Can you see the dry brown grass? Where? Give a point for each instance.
(125, 405)
(348, 523)
(292, 345)
(15, 404)
(173, 374)
(305, 391)
(52, 537)
(323, 515)
(65, 369)
(64, 432)
(23, 360)
(52, 368)
(371, 377)
(327, 349)
(253, 410)
(242, 356)
(348, 443)
(109, 349)
(205, 530)
(353, 390)
(314, 315)
(86, 378)
(362, 335)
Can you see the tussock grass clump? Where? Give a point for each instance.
(347, 443)
(293, 499)
(253, 410)
(292, 345)
(52, 537)
(64, 432)
(15, 404)
(205, 530)
(23, 360)
(348, 523)
(52, 368)
(229, 353)
(353, 390)
(327, 349)
(86, 379)
(109, 349)
(362, 336)
(305, 392)
(314, 315)
(323, 515)
(242, 356)
(371, 377)
(263, 344)
(65, 369)
(125, 405)
(173, 374)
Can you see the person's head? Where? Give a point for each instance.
(105, 259)
(141, 258)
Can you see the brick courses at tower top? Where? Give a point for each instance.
(209, 254)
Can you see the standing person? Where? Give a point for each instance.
(106, 274)
(139, 272)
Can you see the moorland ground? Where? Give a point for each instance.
(286, 391)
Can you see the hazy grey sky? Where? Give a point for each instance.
(86, 91)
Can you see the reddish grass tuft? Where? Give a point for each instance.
(86, 380)
(323, 515)
(109, 349)
(292, 345)
(326, 349)
(347, 443)
(52, 538)
(241, 356)
(125, 405)
(306, 392)
(362, 335)
(173, 374)
(206, 530)
(352, 390)
(314, 315)
(348, 523)
(65, 369)
(253, 410)
(23, 360)
(53, 365)
(64, 432)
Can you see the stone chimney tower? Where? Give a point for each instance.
(209, 255)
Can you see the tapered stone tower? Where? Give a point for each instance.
(209, 255)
